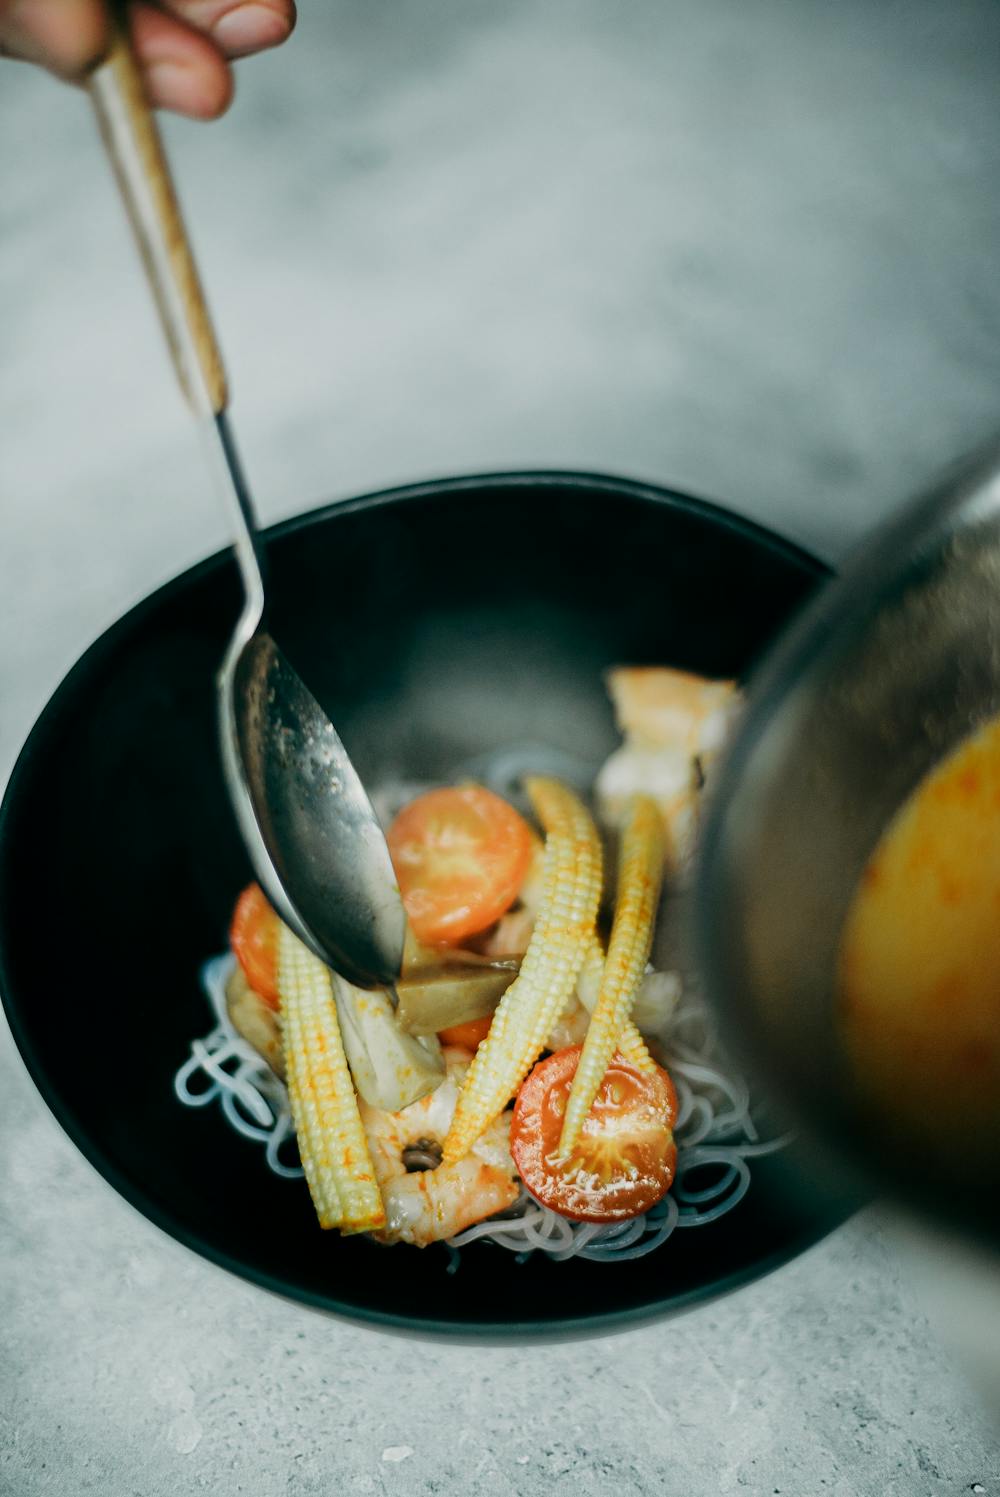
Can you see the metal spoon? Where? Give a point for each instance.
(309, 827)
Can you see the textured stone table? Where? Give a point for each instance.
(746, 249)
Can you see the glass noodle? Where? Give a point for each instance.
(715, 1131)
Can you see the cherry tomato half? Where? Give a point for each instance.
(253, 935)
(460, 855)
(626, 1157)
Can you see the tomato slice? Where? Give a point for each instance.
(253, 935)
(626, 1157)
(461, 855)
(469, 1035)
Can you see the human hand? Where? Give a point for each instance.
(184, 47)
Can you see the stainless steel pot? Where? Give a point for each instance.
(892, 665)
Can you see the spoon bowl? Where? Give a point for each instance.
(311, 831)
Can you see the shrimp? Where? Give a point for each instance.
(426, 1201)
(675, 728)
(255, 1020)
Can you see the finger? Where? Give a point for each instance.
(66, 36)
(238, 27)
(183, 69)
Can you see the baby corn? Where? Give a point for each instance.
(640, 875)
(631, 1044)
(332, 1143)
(571, 891)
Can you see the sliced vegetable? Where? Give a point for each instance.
(418, 957)
(625, 1158)
(570, 894)
(391, 1069)
(468, 1036)
(460, 855)
(439, 997)
(332, 1143)
(253, 935)
(640, 877)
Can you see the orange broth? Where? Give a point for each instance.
(920, 961)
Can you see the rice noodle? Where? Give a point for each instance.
(231, 1072)
(715, 1129)
(715, 1132)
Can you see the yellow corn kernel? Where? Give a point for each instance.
(630, 1042)
(571, 891)
(640, 876)
(331, 1140)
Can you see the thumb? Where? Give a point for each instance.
(66, 36)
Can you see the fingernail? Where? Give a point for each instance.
(250, 28)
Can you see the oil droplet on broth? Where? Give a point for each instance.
(919, 976)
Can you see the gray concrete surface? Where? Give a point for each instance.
(747, 249)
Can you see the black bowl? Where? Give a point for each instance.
(434, 623)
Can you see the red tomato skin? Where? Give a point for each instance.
(468, 1036)
(573, 1190)
(445, 909)
(253, 936)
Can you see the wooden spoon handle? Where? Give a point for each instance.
(135, 149)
